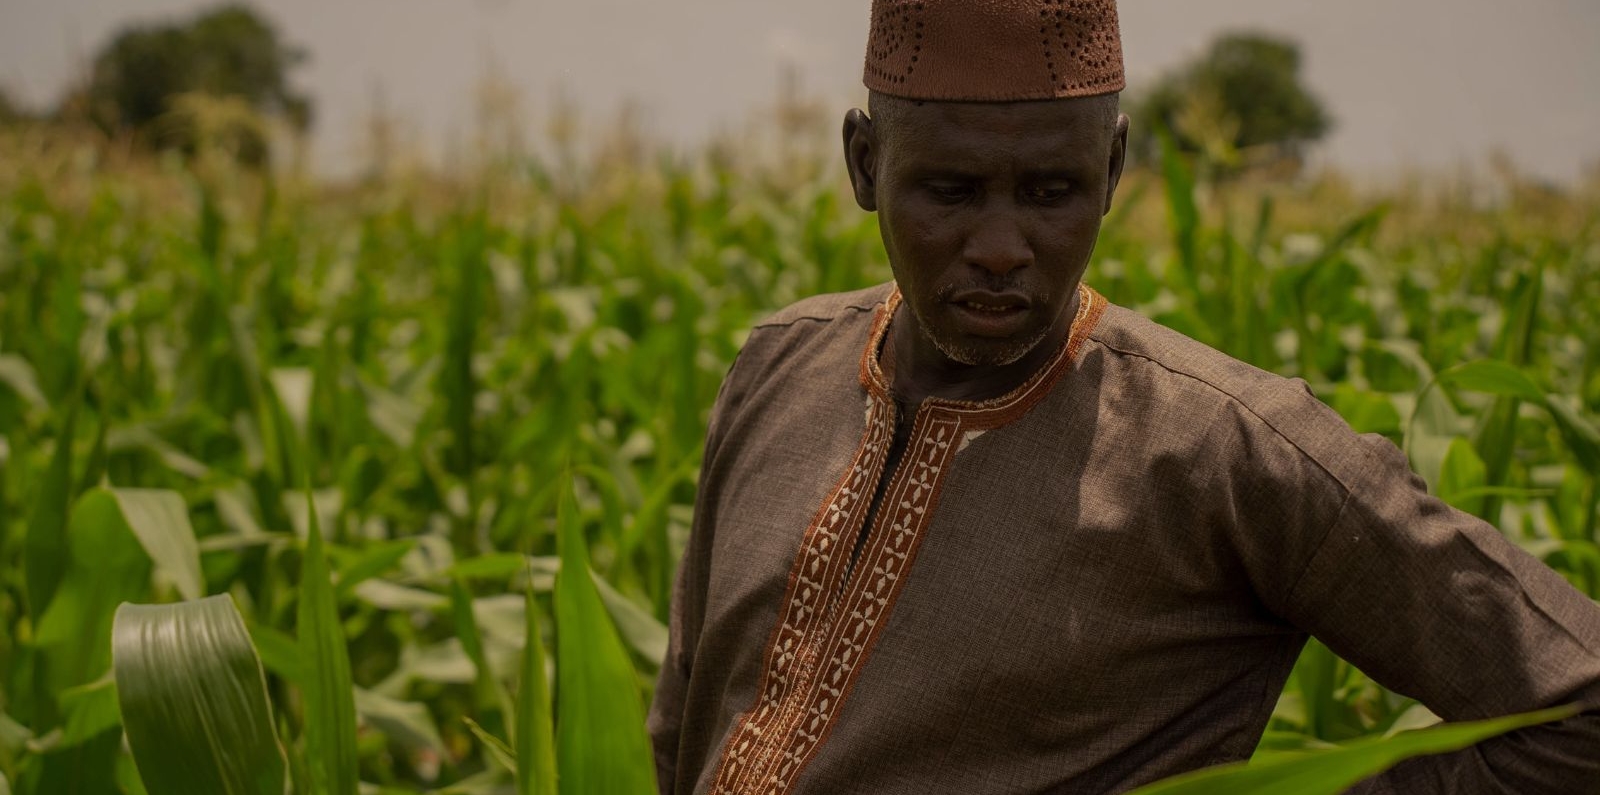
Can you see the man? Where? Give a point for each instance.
(979, 531)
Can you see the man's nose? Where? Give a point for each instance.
(997, 244)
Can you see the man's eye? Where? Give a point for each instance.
(1047, 195)
(949, 191)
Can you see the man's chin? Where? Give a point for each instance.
(981, 352)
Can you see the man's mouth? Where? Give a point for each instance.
(985, 301)
(997, 309)
(987, 314)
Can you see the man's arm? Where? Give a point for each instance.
(1438, 605)
(665, 720)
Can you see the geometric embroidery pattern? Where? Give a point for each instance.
(828, 625)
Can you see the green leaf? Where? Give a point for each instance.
(536, 752)
(405, 722)
(90, 711)
(105, 567)
(1333, 771)
(16, 373)
(1492, 377)
(160, 520)
(640, 629)
(194, 700)
(1580, 435)
(279, 651)
(498, 750)
(330, 706)
(372, 562)
(45, 547)
(601, 744)
(1462, 478)
(490, 696)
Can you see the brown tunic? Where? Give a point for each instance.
(1096, 581)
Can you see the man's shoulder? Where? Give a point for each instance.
(1127, 334)
(1171, 366)
(824, 309)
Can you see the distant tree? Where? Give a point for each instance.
(1244, 93)
(226, 53)
(9, 112)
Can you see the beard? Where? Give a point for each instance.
(982, 352)
(999, 354)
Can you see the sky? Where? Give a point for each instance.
(1411, 83)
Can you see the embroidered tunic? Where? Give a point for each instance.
(1098, 580)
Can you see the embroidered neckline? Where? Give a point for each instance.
(996, 411)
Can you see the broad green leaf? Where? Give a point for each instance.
(1333, 771)
(194, 700)
(1493, 377)
(641, 630)
(105, 566)
(535, 738)
(88, 711)
(330, 723)
(601, 745)
(160, 520)
(279, 652)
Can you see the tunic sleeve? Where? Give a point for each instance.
(688, 598)
(1437, 605)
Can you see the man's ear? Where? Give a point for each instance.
(1119, 156)
(861, 157)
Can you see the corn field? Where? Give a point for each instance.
(394, 475)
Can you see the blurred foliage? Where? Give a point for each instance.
(139, 79)
(1242, 100)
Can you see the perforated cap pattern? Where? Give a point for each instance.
(994, 50)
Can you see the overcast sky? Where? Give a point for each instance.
(1410, 82)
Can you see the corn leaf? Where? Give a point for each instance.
(407, 723)
(194, 700)
(601, 745)
(1333, 771)
(497, 748)
(490, 695)
(536, 752)
(1463, 479)
(1493, 377)
(330, 706)
(45, 546)
(104, 566)
(161, 522)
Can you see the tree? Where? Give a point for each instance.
(1244, 93)
(228, 53)
(10, 112)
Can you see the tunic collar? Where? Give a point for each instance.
(997, 411)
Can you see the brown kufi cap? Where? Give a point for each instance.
(994, 50)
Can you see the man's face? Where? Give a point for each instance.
(989, 212)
